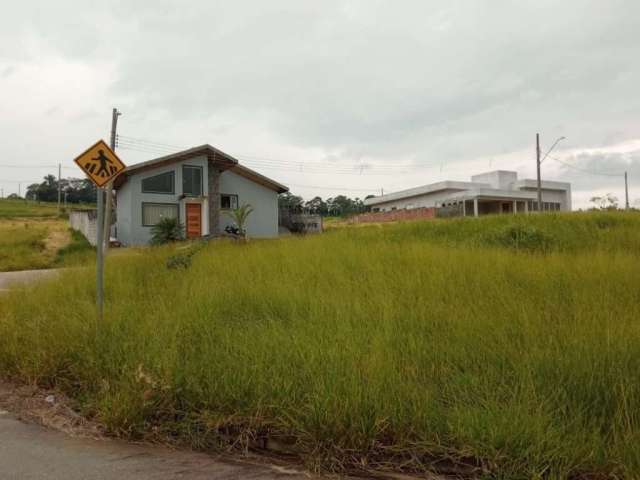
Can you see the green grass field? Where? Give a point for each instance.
(33, 237)
(26, 208)
(501, 347)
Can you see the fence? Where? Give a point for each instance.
(395, 215)
(85, 222)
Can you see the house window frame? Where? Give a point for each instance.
(142, 205)
(155, 192)
(229, 195)
(201, 181)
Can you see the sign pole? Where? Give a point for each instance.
(102, 165)
(99, 251)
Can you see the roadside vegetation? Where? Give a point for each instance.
(500, 347)
(32, 237)
(26, 208)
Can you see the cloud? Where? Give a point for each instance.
(385, 84)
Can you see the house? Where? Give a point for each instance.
(492, 192)
(197, 186)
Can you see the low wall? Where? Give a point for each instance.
(395, 215)
(84, 221)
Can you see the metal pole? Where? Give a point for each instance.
(109, 186)
(626, 191)
(59, 185)
(538, 169)
(99, 250)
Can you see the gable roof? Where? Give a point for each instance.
(224, 160)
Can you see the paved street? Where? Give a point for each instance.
(31, 452)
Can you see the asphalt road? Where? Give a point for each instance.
(31, 452)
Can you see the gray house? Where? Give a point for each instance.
(196, 186)
(499, 191)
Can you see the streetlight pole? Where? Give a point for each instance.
(539, 162)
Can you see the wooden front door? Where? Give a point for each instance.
(194, 220)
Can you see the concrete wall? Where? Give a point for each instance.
(394, 216)
(428, 200)
(499, 179)
(84, 221)
(263, 222)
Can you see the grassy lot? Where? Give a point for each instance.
(26, 208)
(33, 237)
(505, 346)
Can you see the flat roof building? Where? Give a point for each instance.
(499, 191)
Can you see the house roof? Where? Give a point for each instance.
(423, 190)
(258, 178)
(224, 160)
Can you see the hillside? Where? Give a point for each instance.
(502, 347)
(32, 236)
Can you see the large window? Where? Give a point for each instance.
(228, 202)
(192, 181)
(152, 213)
(163, 183)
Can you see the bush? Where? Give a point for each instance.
(167, 230)
(179, 260)
(521, 237)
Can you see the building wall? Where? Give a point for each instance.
(263, 222)
(428, 200)
(500, 179)
(84, 221)
(395, 215)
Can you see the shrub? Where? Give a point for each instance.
(178, 261)
(167, 230)
(521, 237)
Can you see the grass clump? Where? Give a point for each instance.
(78, 252)
(421, 346)
(22, 246)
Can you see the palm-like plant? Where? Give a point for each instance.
(239, 216)
(167, 230)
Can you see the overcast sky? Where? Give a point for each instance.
(329, 97)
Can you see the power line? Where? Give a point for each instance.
(603, 174)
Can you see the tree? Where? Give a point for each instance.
(14, 196)
(289, 202)
(316, 205)
(77, 190)
(605, 202)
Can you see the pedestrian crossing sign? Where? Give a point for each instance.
(100, 163)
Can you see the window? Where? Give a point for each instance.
(228, 202)
(192, 181)
(152, 213)
(163, 183)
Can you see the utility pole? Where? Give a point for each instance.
(59, 185)
(626, 191)
(538, 169)
(109, 187)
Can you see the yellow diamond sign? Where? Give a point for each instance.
(100, 163)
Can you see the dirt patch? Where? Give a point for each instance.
(58, 237)
(47, 408)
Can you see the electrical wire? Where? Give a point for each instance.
(590, 172)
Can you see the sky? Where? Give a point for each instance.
(330, 97)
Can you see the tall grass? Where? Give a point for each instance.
(22, 246)
(27, 208)
(508, 346)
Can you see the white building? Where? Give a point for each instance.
(492, 192)
(197, 186)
